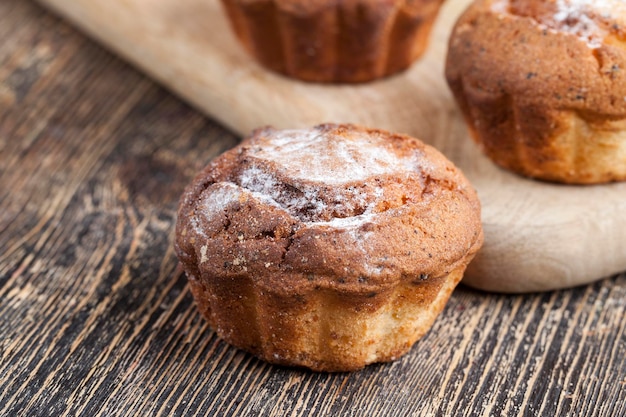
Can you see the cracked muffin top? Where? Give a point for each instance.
(336, 206)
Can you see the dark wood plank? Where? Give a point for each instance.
(95, 316)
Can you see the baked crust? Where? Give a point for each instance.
(345, 41)
(329, 248)
(542, 86)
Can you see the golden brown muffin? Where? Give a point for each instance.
(542, 85)
(329, 248)
(334, 40)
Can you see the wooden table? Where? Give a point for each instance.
(95, 315)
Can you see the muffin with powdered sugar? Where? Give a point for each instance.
(329, 248)
(542, 86)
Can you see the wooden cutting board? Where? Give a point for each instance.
(538, 236)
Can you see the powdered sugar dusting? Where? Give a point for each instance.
(348, 222)
(574, 17)
(501, 6)
(319, 156)
(310, 202)
(302, 199)
(214, 202)
(586, 19)
(220, 197)
(591, 20)
(568, 8)
(324, 177)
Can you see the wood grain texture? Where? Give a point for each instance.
(95, 316)
(538, 236)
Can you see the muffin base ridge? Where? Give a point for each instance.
(317, 331)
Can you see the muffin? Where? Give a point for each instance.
(329, 248)
(542, 85)
(346, 41)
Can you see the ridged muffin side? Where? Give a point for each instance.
(334, 41)
(323, 329)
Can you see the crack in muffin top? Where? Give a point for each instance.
(329, 174)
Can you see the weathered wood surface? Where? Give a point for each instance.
(538, 236)
(95, 316)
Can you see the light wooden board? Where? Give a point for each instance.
(538, 236)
